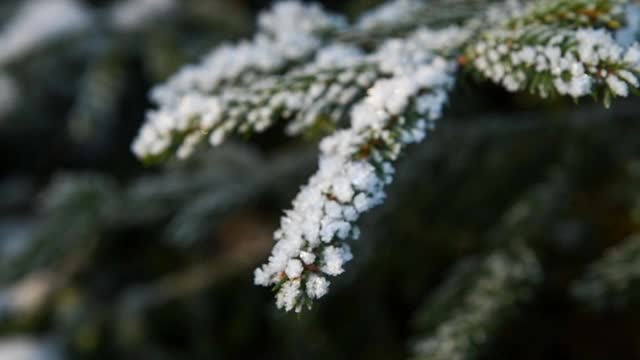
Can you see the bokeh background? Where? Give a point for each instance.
(513, 233)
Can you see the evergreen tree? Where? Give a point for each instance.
(507, 229)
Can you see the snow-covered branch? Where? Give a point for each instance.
(309, 67)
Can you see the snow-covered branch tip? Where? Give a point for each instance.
(374, 100)
(355, 166)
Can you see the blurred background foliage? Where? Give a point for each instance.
(514, 233)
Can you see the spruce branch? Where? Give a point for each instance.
(322, 92)
(612, 281)
(355, 166)
(570, 14)
(289, 34)
(548, 61)
(37, 23)
(399, 17)
(91, 118)
(76, 207)
(464, 314)
(552, 47)
(319, 94)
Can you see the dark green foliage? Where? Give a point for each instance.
(511, 234)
